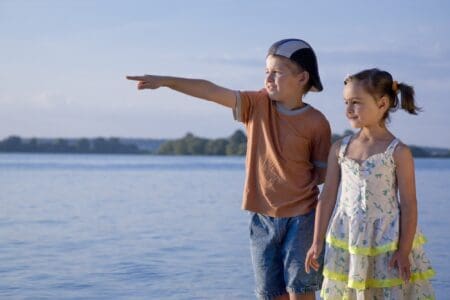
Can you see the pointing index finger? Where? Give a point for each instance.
(137, 78)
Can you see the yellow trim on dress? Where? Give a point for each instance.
(376, 283)
(371, 251)
(345, 297)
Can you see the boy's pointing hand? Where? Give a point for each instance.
(147, 81)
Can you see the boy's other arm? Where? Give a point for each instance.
(193, 87)
(322, 148)
(321, 172)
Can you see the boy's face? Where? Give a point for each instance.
(284, 80)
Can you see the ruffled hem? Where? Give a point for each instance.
(419, 287)
(376, 283)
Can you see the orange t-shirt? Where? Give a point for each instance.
(284, 149)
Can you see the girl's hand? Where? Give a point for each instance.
(311, 257)
(147, 81)
(401, 261)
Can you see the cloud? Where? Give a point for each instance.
(441, 85)
(51, 99)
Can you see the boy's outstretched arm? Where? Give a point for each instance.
(194, 87)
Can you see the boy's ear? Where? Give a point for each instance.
(304, 77)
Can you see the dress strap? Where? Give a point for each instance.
(390, 149)
(344, 144)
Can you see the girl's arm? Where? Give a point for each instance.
(194, 87)
(408, 209)
(325, 206)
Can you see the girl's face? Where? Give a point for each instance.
(362, 109)
(282, 82)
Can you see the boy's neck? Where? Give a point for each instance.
(294, 104)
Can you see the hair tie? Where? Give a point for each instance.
(395, 86)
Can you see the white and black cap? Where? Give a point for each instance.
(302, 53)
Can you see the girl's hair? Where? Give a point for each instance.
(379, 83)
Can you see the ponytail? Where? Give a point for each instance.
(407, 100)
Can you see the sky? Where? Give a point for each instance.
(63, 63)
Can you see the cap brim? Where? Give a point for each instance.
(317, 86)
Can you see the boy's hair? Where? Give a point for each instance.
(301, 53)
(379, 83)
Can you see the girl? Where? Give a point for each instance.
(374, 250)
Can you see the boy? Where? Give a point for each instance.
(287, 149)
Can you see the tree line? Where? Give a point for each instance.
(82, 145)
(236, 144)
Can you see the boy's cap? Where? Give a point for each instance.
(302, 53)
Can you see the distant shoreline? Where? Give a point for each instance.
(189, 145)
(161, 155)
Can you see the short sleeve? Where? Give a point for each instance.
(245, 105)
(237, 109)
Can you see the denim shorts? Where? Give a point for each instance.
(278, 249)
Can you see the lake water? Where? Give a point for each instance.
(151, 227)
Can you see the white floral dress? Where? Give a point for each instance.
(364, 233)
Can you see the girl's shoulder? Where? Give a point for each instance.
(397, 146)
(401, 153)
(336, 146)
(340, 145)
(344, 141)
